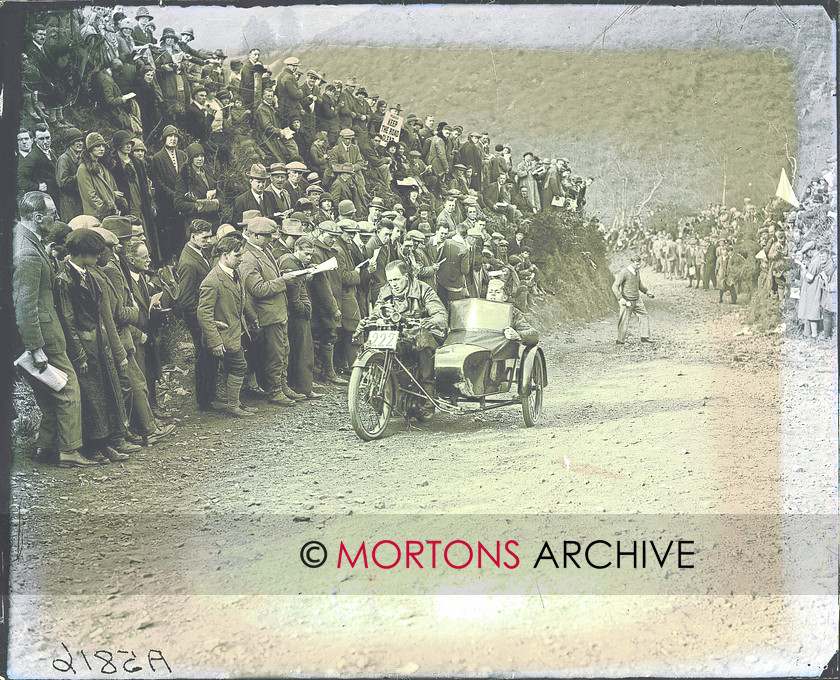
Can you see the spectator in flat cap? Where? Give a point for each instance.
(290, 96)
(346, 152)
(301, 346)
(93, 346)
(326, 114)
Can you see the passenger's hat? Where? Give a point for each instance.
(248, 215)
(395, 107)
(377, 202)
(168, 33)
(291, 61)
(257, 171)
(347, 133)
(459, 166)
(415, 152)
(194, 149)
(143, 12)
(313, 177)
(277, 169)
(349, 226)
(170, 130)
(74, 135)
(346, 207)
(188, 31)
(324, 197)
(296, 166)
(93, 139)
(262, 225)
(199, 87)
(351, 82)
(366, 227)
(330, 227)
(314, 189)
(398, 206)
(138, 144)
(127, 23)
(118, 225)
(417, 236)
(304, 203)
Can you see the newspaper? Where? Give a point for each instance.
(52, 377)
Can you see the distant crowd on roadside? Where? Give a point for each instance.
(777, 251)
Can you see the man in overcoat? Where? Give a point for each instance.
(60, 431)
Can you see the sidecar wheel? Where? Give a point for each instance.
(532, 400)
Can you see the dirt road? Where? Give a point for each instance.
(192, 548)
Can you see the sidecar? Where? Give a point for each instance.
(477, 363)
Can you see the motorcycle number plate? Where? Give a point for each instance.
(383, 339)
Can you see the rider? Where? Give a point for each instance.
(414, 299)
(521, 330)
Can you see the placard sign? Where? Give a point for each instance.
(390, 129)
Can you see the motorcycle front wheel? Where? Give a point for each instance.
(371, 396)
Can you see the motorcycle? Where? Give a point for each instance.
(476, 364)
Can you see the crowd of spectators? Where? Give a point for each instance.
(777, 252)
(189, 186)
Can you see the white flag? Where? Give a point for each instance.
(785, 191)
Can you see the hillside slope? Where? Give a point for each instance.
(615, 115)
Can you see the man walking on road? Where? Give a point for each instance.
(627, 289)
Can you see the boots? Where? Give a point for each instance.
(234, 387)
(329, 369)
(288, 391)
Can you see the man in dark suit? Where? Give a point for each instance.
(497, 197)
(198, 120)
(472, 156)
(256, 198)
(223, 307)
(37, 171)
(60, 432)
(252, 71)
(193, 267)
(165, 167)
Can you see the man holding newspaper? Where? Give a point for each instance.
(45, 363)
